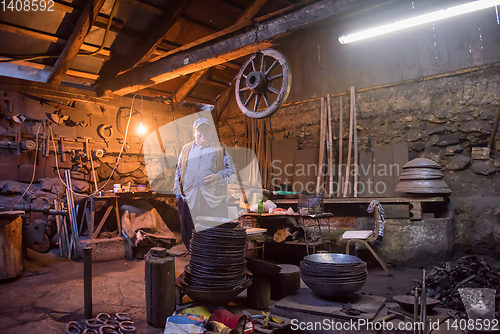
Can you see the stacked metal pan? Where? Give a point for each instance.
(331, 275)
(422, 176)
(217, 267)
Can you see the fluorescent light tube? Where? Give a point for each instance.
(421, 19)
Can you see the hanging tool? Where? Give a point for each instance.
(105, 132)
(341, 112)
(63, 154)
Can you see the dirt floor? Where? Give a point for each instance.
(50, 293)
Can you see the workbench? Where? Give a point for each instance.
(113, 201)
(273, 222)
(413, 205)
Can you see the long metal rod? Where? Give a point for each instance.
(423, 303)
(87, 282)
(341, 125)
(415, 312)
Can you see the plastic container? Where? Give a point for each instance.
(141, 188)
(117, 188)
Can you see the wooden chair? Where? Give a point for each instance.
(364, 237)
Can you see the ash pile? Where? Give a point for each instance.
(444, 280)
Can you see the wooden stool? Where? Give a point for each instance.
(259, 293)
(286, 282)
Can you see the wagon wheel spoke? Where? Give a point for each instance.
(263, 63)
(256, 105)
(274, 77)
(272, 67)
(274, 90)
(266, 99)
(249, 98)
(244, 89)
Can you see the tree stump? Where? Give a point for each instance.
(286, 282)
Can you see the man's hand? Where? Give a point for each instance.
(210, 178)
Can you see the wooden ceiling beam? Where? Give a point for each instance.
(73, 73)
(104, 54)
(101, 20)
(241, 42)
(75, 41)
(252, 10)
(44, 89)
(189, 85)
(149, 45)
(160, 31)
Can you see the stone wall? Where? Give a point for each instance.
(441, 119)
(74, 121)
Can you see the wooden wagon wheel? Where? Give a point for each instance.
(263, 83)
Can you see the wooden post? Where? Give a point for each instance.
(259, 293)
(160, 289)
(341, 134)
(355, 135)
(11, 244)
(75, 41)
(349, 149)
(322, 138)
(330, 144)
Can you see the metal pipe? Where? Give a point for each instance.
(423, 302)
(415, 311)
(87, 282)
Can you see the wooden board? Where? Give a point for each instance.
(400, 158)
(305, 169)
(383, 180)
(305, 301)
(366, 174)
(283, 157)
(9, 172)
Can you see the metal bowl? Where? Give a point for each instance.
(334, 290)
(407, 303)
(211, 297)
(332, 259)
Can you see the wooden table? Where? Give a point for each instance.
(113, 199)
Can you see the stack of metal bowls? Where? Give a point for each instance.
(332, 275)
(422, 176)
(216, 272)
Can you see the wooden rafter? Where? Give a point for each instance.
(160, 31)
(241, 42)
(46, 90)
(104, 54)
(149, 45)
(75, 41)
(73, 73)
(188, 86)
(101, 20)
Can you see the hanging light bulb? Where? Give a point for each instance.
(141, 129)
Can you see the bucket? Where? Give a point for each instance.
(11, 244)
